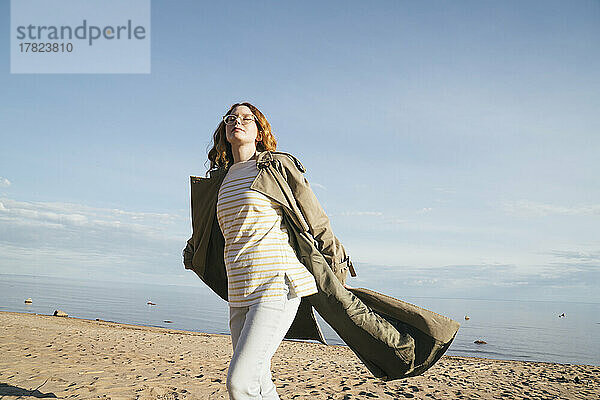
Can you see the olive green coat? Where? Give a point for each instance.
(392, 338)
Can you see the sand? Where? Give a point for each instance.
(58, 357)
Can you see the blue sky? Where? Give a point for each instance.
(454, 145)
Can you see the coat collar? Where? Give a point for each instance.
(263, 159)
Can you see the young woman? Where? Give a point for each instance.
(265, 279)
(262, 242)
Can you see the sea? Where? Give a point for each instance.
(543, 331)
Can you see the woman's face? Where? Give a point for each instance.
(239, 134)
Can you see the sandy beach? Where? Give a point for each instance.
(56, 357)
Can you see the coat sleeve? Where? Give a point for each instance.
(318, 222)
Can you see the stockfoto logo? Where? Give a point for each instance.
(80, 36)
(90, 33)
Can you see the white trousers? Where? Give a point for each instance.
(256, 332)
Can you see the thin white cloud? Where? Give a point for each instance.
(507, 281)
(4, 182)
(53, 223)
(581, 256)
(433, 226)
(318, 185)
(68, 214)
(531, 208)
(424, 210)
(361, 214)
(78, 239)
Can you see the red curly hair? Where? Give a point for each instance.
(220, 155)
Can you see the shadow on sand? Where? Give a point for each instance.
(9, 390)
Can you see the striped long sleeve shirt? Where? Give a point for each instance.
(258, 256)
